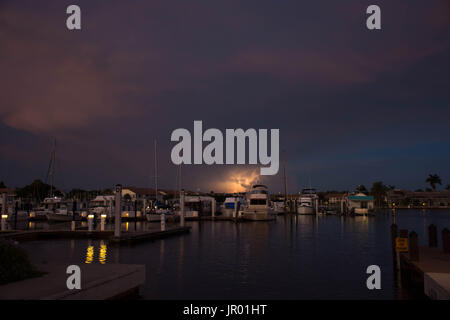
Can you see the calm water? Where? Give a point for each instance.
(294, 257)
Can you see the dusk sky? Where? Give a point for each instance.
(353, 106)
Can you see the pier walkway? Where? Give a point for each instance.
(98, 282)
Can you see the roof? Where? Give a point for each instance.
(360, 198)
(9, 191)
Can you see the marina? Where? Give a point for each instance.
(224, 159)
(236, 257)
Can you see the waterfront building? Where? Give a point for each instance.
(360, 203)
(418, 199)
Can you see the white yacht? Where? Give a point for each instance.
(278, 207)
(258, 207)
(54, 209)
(228, 207)
(102, 205)
(307, 200)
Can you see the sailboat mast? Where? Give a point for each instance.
(284, 178)
(52, 168)
(156, 174)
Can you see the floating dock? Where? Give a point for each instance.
(126, 236)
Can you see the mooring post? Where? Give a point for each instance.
(4, 211)
(182, 208)
(394, 234)
(446, 240)
(118, 211)
(16, 212)
(74, 208)
(4, 217)
(413, 246)
(90, 222)
(432, 236)
(135, 214)
(163, 222)
(102, 222)
(235, 209)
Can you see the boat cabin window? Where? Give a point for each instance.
(258, 201)
(258, 192)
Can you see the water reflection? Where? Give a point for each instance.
(89, 254)
(102, 252)
(290, 258)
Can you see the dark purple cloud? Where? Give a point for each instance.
(353, 106)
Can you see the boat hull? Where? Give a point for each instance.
(59, 217)
(258, 214)
(305, 210)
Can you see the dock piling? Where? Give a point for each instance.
(4, 217)
(163, 222)
(118, 211)
(4, 211)
(446, 240)
(90, 222)
(413, 246)
(394, 233)
(182, 208)
(432, 236)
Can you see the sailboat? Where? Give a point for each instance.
(53, 208)
(158, 207)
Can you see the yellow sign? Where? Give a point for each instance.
(401, 244)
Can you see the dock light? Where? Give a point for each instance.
(91, 216)
(126, 214)
(4, 216)
(424, 204)
(103, 216)
(32, 214)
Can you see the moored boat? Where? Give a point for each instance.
(258, 208)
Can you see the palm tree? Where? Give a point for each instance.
(361, 188)
(379, 192)
(433, 179)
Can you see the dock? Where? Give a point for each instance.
(136, 237)
(98, 282)
(423, 271)
(127, 237)
(430, 276)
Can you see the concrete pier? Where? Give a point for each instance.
(98, 282)
(429, 276)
